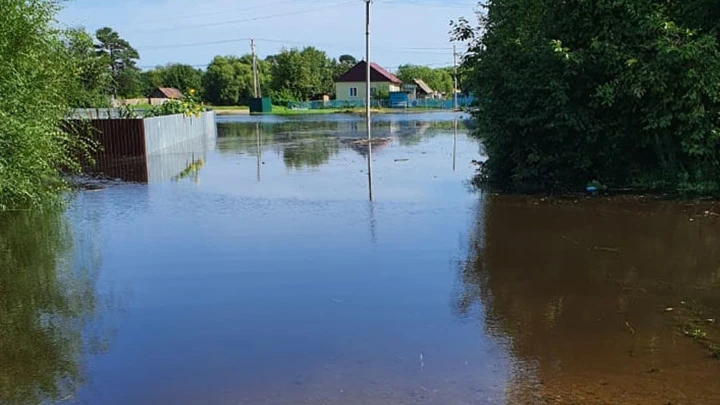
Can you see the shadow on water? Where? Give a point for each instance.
(48, 303)
(593, 298)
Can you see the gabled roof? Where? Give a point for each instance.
(423, 86)
(171, 92)
(377, 74)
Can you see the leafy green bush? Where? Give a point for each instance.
(37, 73)
(620, 92)
(381, 94)
(190, 106)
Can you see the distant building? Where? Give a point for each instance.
(351, 85)
(422, 90)
(167, 92)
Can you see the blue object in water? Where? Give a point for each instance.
(591, 189)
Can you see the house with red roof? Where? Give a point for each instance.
(351, 85)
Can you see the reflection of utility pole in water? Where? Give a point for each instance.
(259, 151)
(367, 95)
(455, 144)
(373, 223)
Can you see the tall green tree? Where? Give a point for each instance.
(179, 76)
(438, 79)
(347, 60)
(37, 73)
(298, 75)
(94, 84)
(624, 92)
(229, 80)
(121, 58)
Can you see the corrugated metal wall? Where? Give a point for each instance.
(127, 145)
(122, 149)
(167, 131)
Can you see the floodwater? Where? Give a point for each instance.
(261, 274)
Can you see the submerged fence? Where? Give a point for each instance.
(128, 148)
(445, 104)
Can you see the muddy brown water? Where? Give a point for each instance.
(258, 273)
(595, 297)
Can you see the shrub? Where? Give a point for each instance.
(190, 106)
(621, 92)
(37, 73)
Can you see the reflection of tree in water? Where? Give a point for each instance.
(579, 294)
(298, 144)
(361, 145)
(47, 298)
(310, 152)
(314, 143)
(412, 133)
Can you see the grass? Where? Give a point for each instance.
(229, 108)
(696, 326)
(695, 332)
(285, 111)
(281, 110)
(715, 352)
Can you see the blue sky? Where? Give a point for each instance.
(193, 32)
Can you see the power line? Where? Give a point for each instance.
(265, 17)
(219, 12)
(424, 50)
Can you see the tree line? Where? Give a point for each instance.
(291, 75)
(616, 94)
(110, 69)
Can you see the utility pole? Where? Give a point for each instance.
(256, 83)
(455, 90)
(367, 95)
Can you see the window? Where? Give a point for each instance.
(353, 91)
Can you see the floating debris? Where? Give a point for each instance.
(606, 249)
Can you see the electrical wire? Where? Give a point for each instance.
(260, 18)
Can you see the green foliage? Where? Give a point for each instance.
(94, 83)
(439, 80)
(37, 74)
(190, 106)
(615, 91)
(299, 75)
(347, 60)
(179, 76)
(229, 80)
(381, 94)
(120, 57)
